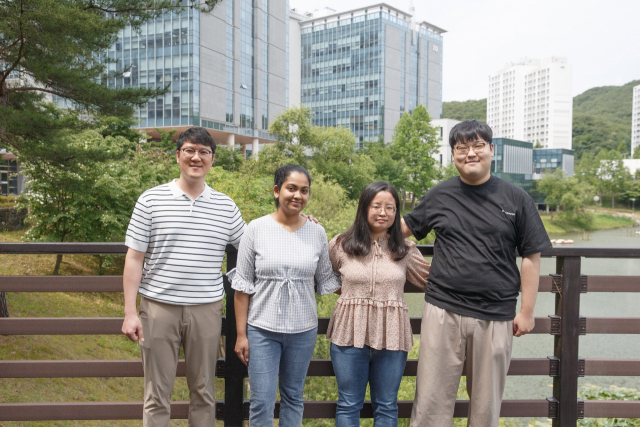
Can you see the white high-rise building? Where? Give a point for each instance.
(444, 126)
(531, 101)
(635, 120)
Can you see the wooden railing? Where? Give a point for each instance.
(565, 366)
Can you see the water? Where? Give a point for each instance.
(591, 304)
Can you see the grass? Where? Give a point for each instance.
(70, 347)
(602, 221)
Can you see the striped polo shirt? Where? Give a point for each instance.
(184, 242)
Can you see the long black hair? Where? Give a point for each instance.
(283, 173)
(357, 240)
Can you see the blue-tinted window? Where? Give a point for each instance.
(229, 108)
(230, 42)
(229, 74)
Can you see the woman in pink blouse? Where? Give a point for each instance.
(369, 329)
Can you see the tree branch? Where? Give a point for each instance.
(136, 9)
(11, 45)
(20, 52)
(32, 88)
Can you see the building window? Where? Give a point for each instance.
(265, 57)
(265, 116)
(265, 86)
(229, 109)
(265, 26)
(229, 74)
(265, 5)
(230, 42)
(229, 16)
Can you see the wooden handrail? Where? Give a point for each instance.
(566, 325)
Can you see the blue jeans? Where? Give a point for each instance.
(273, 354)
(382, 369)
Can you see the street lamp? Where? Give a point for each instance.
(633, 204)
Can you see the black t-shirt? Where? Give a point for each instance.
(478, 228)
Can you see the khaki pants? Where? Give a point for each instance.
(448, 341)
(165, 328)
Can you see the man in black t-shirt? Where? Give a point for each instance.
(469, 318)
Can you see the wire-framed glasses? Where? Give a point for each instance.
(190, 152)
(389, 210)
(478, 147)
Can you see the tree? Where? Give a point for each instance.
(612, 174)
(336, 158)
(570, 194)
(54, 47)
(82, 188)
(554, 186)
(296, 137)
(448, 172)
(228, 159)
(415, 142)
(387, 168)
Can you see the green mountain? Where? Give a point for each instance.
(601, 117)
(466, 110)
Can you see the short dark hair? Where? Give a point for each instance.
(469, 131)
(196, 135)
(283, 173)
(357, 239)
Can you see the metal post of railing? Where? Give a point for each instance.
(565, 385)
(234, 392)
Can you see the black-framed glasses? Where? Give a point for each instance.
(478, 147)
(203, 154)
(389, 210)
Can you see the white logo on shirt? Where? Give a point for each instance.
(508, 213)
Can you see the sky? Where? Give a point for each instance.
(600, 39)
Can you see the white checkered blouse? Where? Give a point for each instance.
(278, 269)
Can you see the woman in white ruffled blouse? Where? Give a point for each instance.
(280, 257)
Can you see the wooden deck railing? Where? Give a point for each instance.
(565, 365)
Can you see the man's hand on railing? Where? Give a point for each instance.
(242, 348)
(132, 328)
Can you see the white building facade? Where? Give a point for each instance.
(531, 101)
(443, 126)
(635, 120)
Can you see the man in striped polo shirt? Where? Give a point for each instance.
(177, 238)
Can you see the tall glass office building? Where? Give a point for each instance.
(364, 68)
(226, 71)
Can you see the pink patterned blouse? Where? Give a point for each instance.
(371, 309)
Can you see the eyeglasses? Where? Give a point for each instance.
(478, 147)
(389, 210)
(190, 152)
